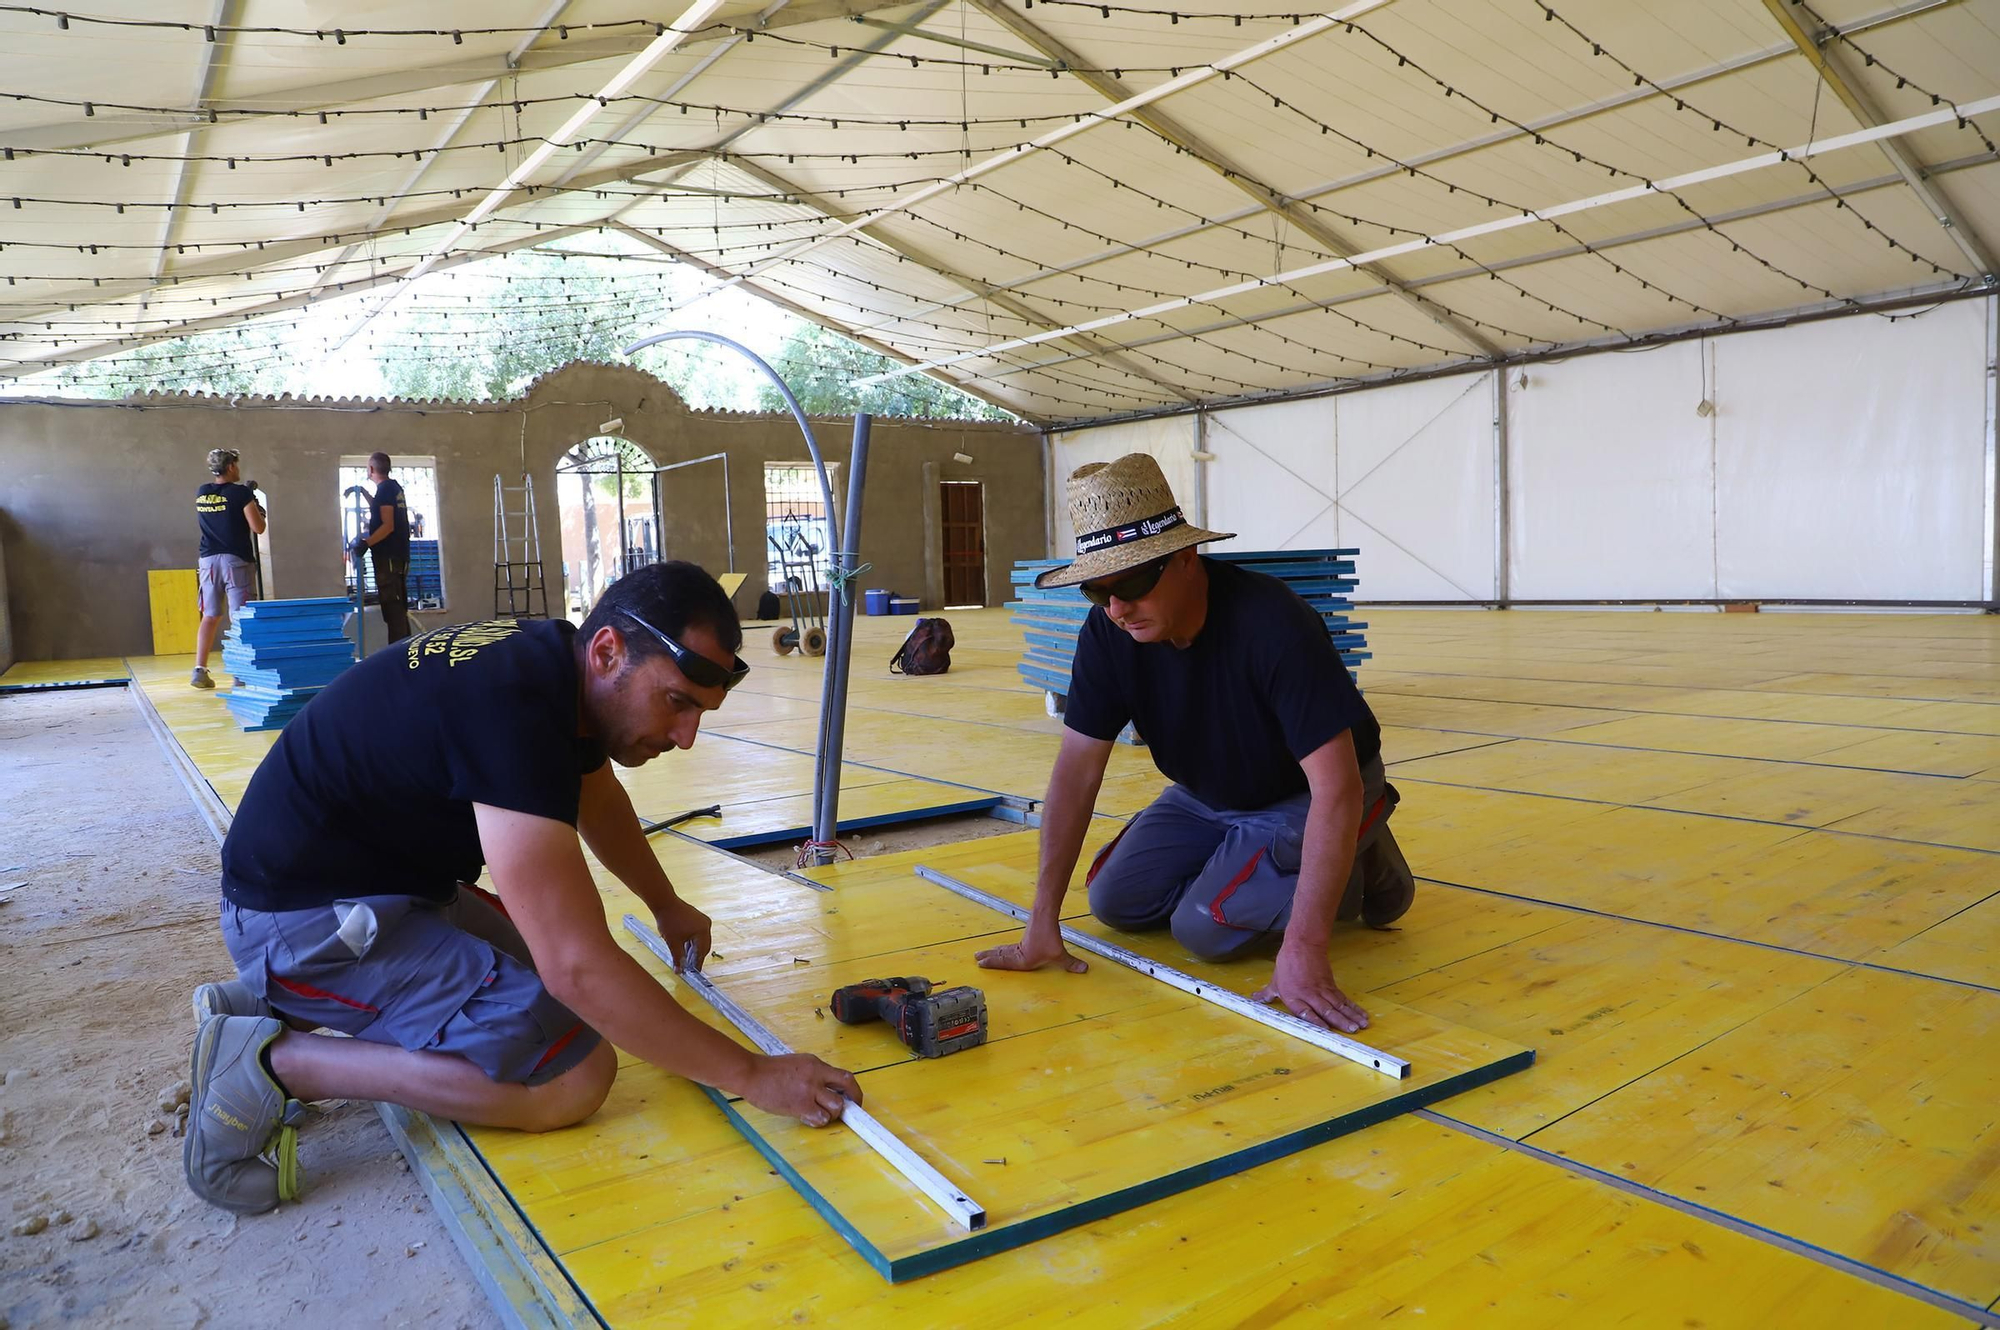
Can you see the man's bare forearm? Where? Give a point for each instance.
(617, 998)
(611, 829)
(1326, 863)
(1066, 814)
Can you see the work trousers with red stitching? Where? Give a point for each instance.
(1223, 879)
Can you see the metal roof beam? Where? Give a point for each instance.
(213, 56)
(1881, 18)
(969, 386)
(212, 322)
(1101, 350)
(1268, 199)
(1901, 155)
(1754, 210)
(425, 161)
(249, 261)
(108, 126)
(1220, 67)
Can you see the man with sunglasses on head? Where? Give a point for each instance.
(347, 901)
(1276, 824)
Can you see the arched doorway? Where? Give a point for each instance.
(608, 495)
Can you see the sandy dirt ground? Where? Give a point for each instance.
(102, 948)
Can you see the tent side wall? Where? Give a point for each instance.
(1847, 459)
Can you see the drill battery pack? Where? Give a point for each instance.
(949, 1020)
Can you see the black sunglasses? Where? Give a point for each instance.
(699, 669)
(1129, 586)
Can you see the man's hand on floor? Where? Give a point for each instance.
(1303, 980)
(1038, 946)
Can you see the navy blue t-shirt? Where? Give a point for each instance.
(1229, 717)
(369, 790)
(397, 543)
(224, 528)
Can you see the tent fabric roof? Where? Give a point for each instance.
(179, 165)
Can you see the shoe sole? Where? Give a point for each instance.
(204, 1051)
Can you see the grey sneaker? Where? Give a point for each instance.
(230, 997)
(200, 679)
(238, 1113)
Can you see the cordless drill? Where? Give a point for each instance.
(931, 1022)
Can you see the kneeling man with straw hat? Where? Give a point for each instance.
(1277, 822)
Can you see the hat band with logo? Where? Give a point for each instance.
(1092, 541)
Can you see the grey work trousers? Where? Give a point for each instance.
(1223, 879)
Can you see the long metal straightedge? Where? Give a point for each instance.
(1351, 1049)
(962, 1208)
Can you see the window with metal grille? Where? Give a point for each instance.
(796, 525)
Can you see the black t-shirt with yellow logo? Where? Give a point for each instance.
(224, 529)
(396, 544)
(369, 790)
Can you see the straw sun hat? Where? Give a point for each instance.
(1124, 515)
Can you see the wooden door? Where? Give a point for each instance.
(964, 515)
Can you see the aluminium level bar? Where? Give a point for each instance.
(1352, 1049)
(967, 1212)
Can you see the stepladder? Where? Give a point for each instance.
(519, 589)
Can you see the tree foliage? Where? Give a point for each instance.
(532, 312)
(819, 365)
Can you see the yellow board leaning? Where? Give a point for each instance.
(176, 600)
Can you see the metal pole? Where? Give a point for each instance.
(823, 758)
(1989, 578)
(840, 652)
(1502, 501)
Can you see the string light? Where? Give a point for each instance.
(1718, 125)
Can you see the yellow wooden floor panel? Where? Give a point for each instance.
(1512, 720)
(1420, 1222)
(1961, 813)
(1781, 741)
(1438, 822)
(224, 753)
(719, 771)
(1965, 946)
(91, 669)
(1571, 771)
(662, 1207)
(1874, 1138)
(673, 1215)
(1843, 896)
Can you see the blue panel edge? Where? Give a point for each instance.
(991, 1241)
(825, 1208)
(755, 838)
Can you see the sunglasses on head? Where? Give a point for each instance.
(1134, 584)
(699, 669)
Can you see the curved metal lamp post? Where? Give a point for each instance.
(840, 610)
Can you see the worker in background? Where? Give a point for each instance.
(345, 904)
(387, 544)
(1276, 825)
(226, 575)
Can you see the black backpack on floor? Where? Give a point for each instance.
(927, 650)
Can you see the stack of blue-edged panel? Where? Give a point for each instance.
(282, 653)
(1052, 618)
(426, 577)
